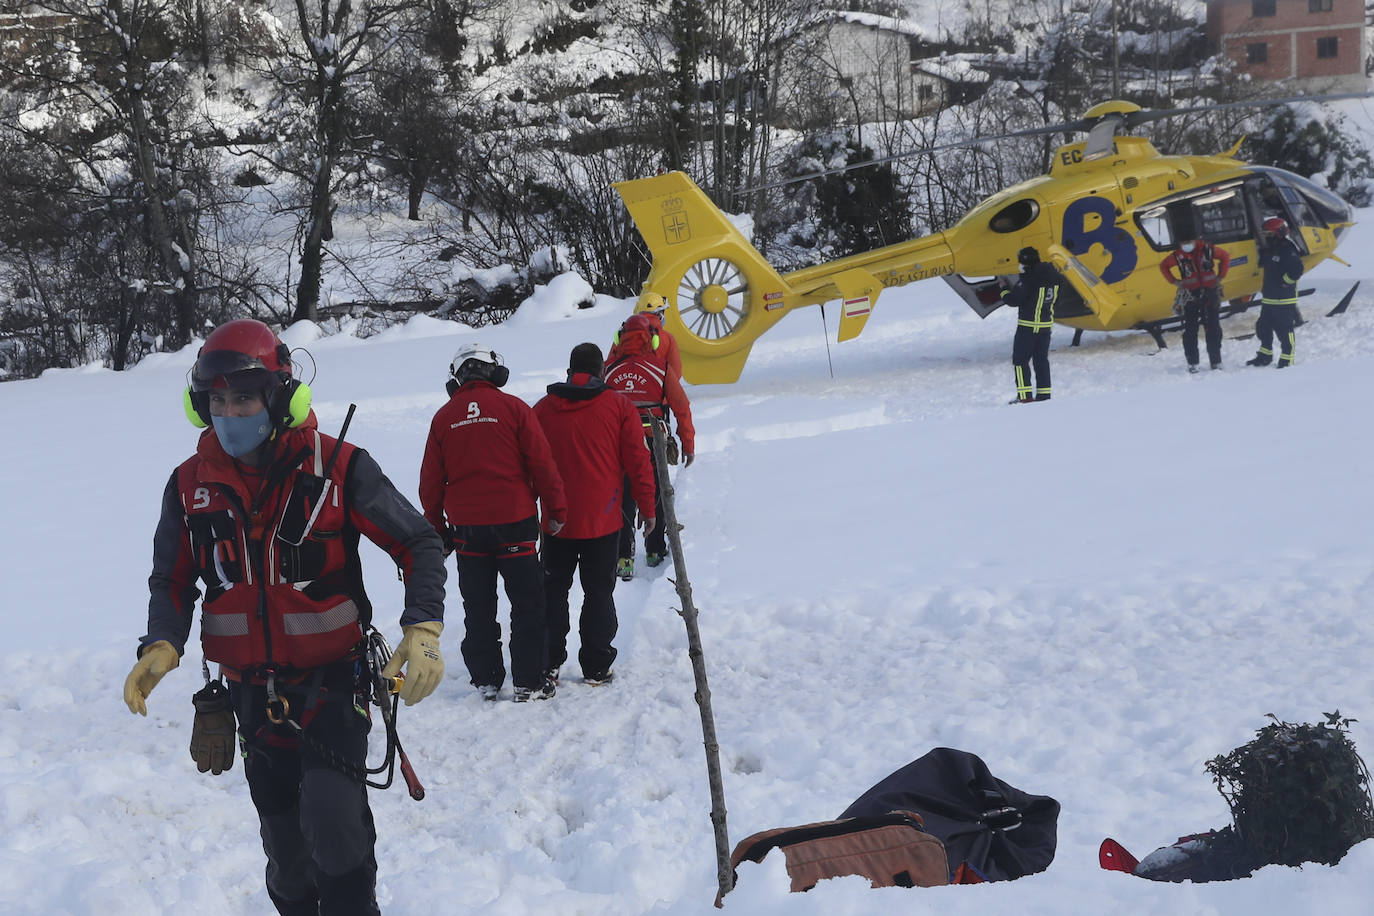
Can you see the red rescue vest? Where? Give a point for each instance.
(282, 580)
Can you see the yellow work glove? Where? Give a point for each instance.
(419, 652)
(153, 663)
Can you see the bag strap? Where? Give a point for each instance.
(756, 851)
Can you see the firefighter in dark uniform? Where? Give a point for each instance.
(1201, 267)
(1279, 297)
(1033, 296)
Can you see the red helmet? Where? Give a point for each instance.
(238, 346)
(639, 334)
(247, 354)
(1275, 225)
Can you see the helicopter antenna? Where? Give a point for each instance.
(826, 334)
(1102, 122)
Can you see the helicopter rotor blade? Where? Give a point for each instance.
(923, 151)
(1144, 116)
(1124, 120)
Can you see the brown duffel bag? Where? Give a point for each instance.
(890, 850)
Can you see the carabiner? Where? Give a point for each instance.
(278, 708)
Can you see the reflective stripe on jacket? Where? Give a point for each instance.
(1034, 296)
(644, 379)
(1282, 267)
(278, 561)
(1203, 267)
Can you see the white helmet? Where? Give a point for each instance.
(474, 361)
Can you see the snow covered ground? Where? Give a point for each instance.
(1095, 595)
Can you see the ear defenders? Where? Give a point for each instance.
(289, 405)
(653, 341)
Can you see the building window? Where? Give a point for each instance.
(1257, 53)
(1327, 47)
(1260, 8)
(1319, 6)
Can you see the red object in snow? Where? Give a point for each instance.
(1112, 856)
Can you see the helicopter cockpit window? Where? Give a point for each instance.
(1015, 216)
(1312, 204)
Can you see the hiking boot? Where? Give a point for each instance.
(542, 692)
(625, 568)
(489, 692)
(1042, 397)
(1259, 361)
(597, 678)
(1192, 368)
(552, 675)
(654, 559)
(1216, 365)
(1282, 365)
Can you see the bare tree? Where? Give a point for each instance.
(319, 68)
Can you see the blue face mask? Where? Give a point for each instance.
(240, 435)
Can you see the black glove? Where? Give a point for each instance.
(212, 732)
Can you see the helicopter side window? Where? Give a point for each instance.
(1220, 218)
(1157, 227)
(1015, 216)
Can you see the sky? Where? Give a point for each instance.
(1095, 595)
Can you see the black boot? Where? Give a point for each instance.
(1259, 360)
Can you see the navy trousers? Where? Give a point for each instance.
(315, 822)
(594, 561)
(508, 551)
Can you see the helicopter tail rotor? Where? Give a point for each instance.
(721, 292)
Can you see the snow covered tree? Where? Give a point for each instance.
(103, 112)
(321, 65)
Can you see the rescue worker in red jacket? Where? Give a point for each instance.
(267, 516)
(641, 373)
(486, 462)
(1201, 267)
(598, 443)
(654, 305)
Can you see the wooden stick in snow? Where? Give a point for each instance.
(725, 875)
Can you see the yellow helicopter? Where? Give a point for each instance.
(1110, 210)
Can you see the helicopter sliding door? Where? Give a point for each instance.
(1218, 214)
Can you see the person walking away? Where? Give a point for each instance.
(1033, 297)
(641, 374)
(486, 462)
(266, 516)
(654, 305)
(1282, 266)
(1200, 266)
(598, 443)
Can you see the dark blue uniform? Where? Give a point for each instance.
(1282, 265)
(1033, 296)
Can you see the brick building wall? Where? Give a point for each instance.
(1314, 42)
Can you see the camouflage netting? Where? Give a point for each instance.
(1298, 793)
